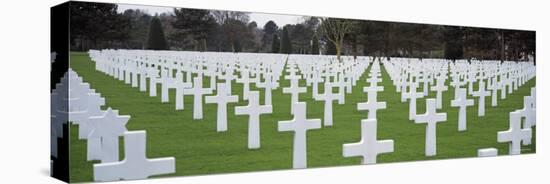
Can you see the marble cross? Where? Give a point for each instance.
(372, 105)
(180, 87)
(481, 93)
(300, 125)
(294, 90)
(142, 78)
(368, 148)
(197, 91)
(167, 83)
(462, 103)
(253, 110)
(328, 97)
(439, 88)
(152, 74)
(431, 118)
(269, 84)
(245, 80)
(135, 164)
(515, 135)
(494, 91)
(528, 111)
(413, 95)
(222, 99)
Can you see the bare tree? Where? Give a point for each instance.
(335, 30)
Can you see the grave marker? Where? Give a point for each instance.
(253, 110)
(300, 125)
(135, 164)
(368, 147)
(515, 134)
(462, 103)
(221, 99)
(431, 118)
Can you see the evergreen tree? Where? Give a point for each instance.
(156, 40)
(275, 46)
(286, 47)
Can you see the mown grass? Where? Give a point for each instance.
(199, 149)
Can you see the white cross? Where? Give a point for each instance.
(462, 103)
(425, 81)
(253, 110)
(439, 88)
(328, 97)
(528, 111)
(494, 89)
(197, 91)
(180, 87)
(135, 164)
(152, 73)
(374, 80)
(412, 95)
(228, 77)
(515, 134)
(269, 84)
(431, 118)
(481, 93)
(372, 105)
(368, 147)
(503, 83)
(315, 80)
(142, 77)
(108, 127)
(245, 80)
(167, 83)
(294, 91)
(300, 125)
(222, 99)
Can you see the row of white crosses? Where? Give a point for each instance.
(313, 69)
(506, 77)
(308, 71)
(369, 147)
(252, 71)
(102, 129)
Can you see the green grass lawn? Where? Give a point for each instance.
(199, 149)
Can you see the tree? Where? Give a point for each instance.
(196, 22)
(156, 40)
(286, 47)
(98, 23)
(453, 38)
(270, 29)
(314, 45)
(139, 22)
(253, 40)
(236, 31)
(335, 30)
(301, 38)
(276, 44)
(234, 26)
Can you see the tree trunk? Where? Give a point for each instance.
(338, 51)
(204, 46)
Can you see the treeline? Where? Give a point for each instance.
(100, 26)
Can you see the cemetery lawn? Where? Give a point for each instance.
(199, 149)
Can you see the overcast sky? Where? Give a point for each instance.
(260, 18)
